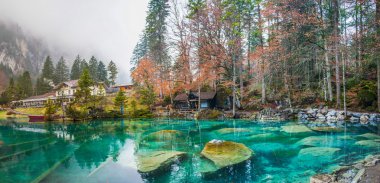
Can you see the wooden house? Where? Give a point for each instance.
(190, 101)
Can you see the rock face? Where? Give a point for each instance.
(160, 160)
(226, 153)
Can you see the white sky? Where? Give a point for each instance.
(108, 29)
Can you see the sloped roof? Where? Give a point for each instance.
(50, 94)
(181, 97)
(72, 83)
(204, 96)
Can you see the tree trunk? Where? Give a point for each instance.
(263, 91)
(336, 41)
(326, 55)
(377, 53)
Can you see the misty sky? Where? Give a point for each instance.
(108, 29)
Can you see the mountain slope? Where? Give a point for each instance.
(18, 52)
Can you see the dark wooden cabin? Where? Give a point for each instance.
(190, 100)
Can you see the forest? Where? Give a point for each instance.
(262, 52)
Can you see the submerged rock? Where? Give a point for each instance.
(313, 141)
(164, 135)
(224, 131)
(322, 178)
(368, 143)
(226, 153)
(369, 136)
(326, 129)
(159, 160)
(263, 137)
(307, 156)
(318, 151)
(295, 129)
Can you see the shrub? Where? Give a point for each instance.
(367, 94)
(210, 114)
(76, 113)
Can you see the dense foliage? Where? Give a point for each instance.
(283, 51)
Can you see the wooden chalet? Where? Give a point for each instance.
(189, 101)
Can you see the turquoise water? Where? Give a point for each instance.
(105, 151)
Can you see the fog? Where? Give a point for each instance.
(108, 29)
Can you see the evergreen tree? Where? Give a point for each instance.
(48, 69)
(61, 72)
(83, 66)
(102, 72)
(83, 94)
(42, 86)
(76, 69)
(9, 94)
(24, 87)
(93, 68)
(112, 69)
(120, 100)
(140, 50)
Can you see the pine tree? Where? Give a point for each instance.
(120, 100)
(61, 72)
(112, 69)
(93, 68)
(76, 69)
(48, 69)
(83, 94)
(102, 72)
(140, 50)
(83, 66)
(42, 86)
(24, 86)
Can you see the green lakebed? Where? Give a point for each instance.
(163, 150)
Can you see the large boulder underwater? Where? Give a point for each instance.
(163, 135)
(225, 153)
(157, 161)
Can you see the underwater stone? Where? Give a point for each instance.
(317, 153)
(370, 136)
(147, 163)
(322, 178)
(313, 141)
(368, 143)
(164, 135)
(226, 153)
(295, 129)
(224, 131)
(326, 129)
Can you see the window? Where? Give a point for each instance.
(204, 104)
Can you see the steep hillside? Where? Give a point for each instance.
(18, 52)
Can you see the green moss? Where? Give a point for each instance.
(210, 114)
(226, 153)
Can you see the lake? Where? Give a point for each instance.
(106, 150)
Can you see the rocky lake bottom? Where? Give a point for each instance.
(163, 150)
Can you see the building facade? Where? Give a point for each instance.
(64, 91)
